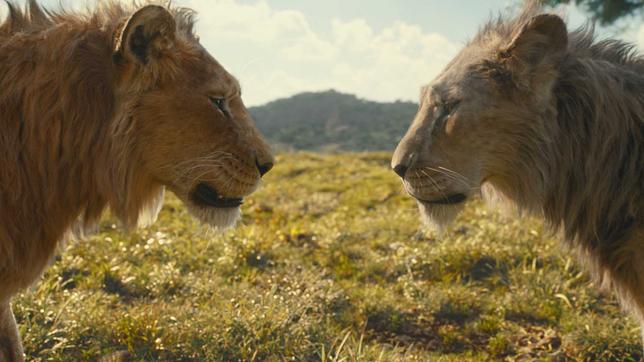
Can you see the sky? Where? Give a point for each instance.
(382, 50)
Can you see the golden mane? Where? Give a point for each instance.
(108, 15)
(107, 108)
(81, 92)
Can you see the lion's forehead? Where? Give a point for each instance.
(203, 69)
(466, 64)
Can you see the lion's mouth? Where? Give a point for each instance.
(205, 195)
(447, 200)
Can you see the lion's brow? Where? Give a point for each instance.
(236, 88)
(435, 94)
(423, 92)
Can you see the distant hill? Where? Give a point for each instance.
(332, 121)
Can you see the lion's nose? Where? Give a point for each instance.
(401, 170)
(263, 167)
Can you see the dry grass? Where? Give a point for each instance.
(328, 265)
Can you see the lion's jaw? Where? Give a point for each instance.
(215, 210)
(217, 218)
(440, 194)
(438, 217)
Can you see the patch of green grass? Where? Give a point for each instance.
(328, 264)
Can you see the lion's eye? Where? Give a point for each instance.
(449, 107)
(220, 103)
(444, 111)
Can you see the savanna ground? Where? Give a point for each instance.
(328, 264)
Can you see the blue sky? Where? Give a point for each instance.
(378, 49)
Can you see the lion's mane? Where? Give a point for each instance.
(65, 148)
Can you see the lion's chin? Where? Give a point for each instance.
(217, 218)
(438, 217)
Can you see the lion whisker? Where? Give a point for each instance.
(461, 179)
(453, 172)
(438, 188)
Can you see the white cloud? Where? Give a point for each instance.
(640, 39)
(277, 53)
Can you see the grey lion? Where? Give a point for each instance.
(549, 121)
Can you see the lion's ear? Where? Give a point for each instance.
(543, 38)
(146, 35)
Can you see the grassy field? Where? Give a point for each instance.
(328, 264)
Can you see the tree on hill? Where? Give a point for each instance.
(606, 11)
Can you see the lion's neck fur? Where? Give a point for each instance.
(588, 174)
(66, 149)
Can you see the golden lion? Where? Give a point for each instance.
(552, 122)
(106, 110)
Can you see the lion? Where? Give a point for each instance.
(107, 109)
(548, 121)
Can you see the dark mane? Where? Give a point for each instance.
(600, 108)
(550, 121)
(583, 42)
(34, 18)
(591, 148)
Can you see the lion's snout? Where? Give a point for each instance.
(433, 187)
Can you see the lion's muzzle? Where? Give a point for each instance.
(207, 196)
